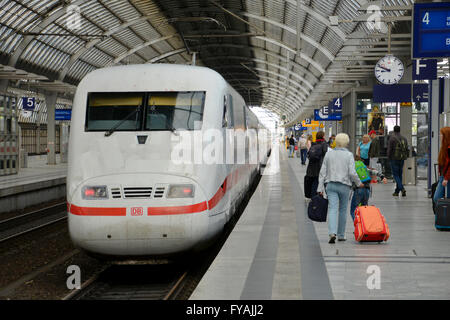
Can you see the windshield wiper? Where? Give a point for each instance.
(111, 131)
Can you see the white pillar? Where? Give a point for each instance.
(50, 100)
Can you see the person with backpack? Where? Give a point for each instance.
(335, 180)
(444, 165)
(315, 156)
(397, 153)
(361, 195)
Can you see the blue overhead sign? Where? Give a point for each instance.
(424, 69)
(63, 114)
(334, 116)
(431, 30)
(400, 93)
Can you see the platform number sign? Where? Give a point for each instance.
(28, 103)
(337, 104)
(431, 30)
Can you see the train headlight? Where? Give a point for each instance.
(94, 192)
(180, 191)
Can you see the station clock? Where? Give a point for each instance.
(389, 70)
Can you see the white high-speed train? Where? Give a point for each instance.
(127, 194)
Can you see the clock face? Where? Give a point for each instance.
(389, 70)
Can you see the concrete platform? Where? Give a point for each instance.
(35, 184)
(276, 252)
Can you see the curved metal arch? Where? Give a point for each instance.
(284, 103)
(166, 55)
(273, 41)
(293, 94)
(58, 13)
(293, 104)
(280, 83)
(276, 56)
(264, 62)
(141, 46)
(270, 92)
(279, 94)
(302, 55)
(285, 78)
(305, 37)
(92, 43)
(283, 58)
(272, 78)
(319, 17)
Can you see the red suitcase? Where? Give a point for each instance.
(370, 225)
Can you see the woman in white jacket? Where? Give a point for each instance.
(337, 173)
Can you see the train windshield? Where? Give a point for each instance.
(174, 110)
(114, 110)
(137, 111)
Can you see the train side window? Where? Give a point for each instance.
(225, 113)
(245, 117)
(230, 112)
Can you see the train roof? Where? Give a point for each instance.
(153, 77)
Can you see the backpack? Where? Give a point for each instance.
(362, 171)
(315, 153)
(401, 150)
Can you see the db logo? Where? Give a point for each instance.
(137, 211)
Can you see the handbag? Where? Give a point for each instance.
(318, 208)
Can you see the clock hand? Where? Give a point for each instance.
(388, 70)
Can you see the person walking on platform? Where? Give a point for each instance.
(315, 155)
(291, 146)
(335, 180)
(361, 195)
(363, 149)
(444, 165)
(397, 153)
(309, 142)
(302, 145)
(332, 141)
(374, 153)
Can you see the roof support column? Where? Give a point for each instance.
(50, 100)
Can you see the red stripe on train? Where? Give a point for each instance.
(86, 211)
(159, 211)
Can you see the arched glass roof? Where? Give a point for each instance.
(284, 55)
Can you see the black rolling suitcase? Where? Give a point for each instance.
(318, 209)
(442, 215)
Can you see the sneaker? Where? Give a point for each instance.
(403, 193)
(395, 194)
(332, 238)
(342, 239)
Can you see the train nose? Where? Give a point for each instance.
(136, 217)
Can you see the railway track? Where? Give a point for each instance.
(19, 225)
(131, 282)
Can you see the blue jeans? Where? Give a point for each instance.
(440, 190)
(303, 153)
(397, 172)
(291, 150)
(360, 197)
(337, 207)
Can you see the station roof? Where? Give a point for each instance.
(284, 55)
